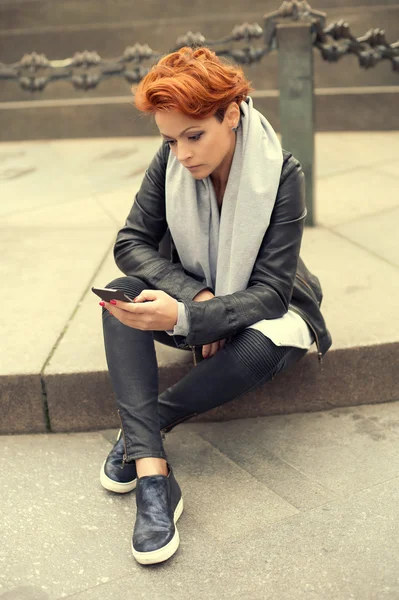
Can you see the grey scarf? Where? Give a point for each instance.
(221, 249)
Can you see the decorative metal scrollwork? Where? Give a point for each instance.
(85, 70)
(190, 39)
(370, 48)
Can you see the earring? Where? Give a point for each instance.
(234, 129)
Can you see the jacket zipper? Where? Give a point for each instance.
(124, 440)
(319, 354)
(308, 286)
(194, 356)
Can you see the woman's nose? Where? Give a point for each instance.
(183, 154)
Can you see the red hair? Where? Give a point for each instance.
(193, 81)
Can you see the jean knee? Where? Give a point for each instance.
(291, 357)
(257, 352)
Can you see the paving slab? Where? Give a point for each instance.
(44, 291)
(340, 153)
(55, 173)
(365, 232)
(64, 531)
(345, 549)
(391, 167)
(352, 280)
(217, 489)
(342, 550)
(245, 447)
(65, 536)
(366, 192)
(49, 253)
(75, 523)
(385, 415)
(340, 449)
(60, 171)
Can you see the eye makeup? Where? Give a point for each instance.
(192, 138)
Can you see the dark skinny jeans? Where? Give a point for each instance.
(248, 360)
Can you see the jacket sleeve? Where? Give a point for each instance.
(271, 283)
(136, 247)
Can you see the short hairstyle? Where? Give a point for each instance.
(193, 81)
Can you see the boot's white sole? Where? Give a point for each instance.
(157, 556)
(114, 486)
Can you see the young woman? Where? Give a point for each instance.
(210, 250)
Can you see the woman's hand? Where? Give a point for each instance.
(160, 314)
(209, 350)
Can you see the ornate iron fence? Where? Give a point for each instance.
(294, 29)
(371, 49)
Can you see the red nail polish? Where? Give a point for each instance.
(112, 302)
(102, 303)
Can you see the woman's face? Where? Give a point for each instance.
(199, 145)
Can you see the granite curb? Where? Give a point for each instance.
(84, 401)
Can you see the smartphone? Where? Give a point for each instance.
(108, 294)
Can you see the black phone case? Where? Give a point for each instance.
(108, 294)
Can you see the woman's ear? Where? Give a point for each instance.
(232, 115)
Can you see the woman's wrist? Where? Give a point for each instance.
(204, 295)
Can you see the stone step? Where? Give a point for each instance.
(342, 109)
(39, 14)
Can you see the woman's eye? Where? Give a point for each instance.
(193, 138)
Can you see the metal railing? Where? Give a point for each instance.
(294, 29)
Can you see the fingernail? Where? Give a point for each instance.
(102, 303)
(112, 302)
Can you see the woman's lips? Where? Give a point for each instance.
(192, 168)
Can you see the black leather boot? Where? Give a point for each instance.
(116, 476)
(159, 505)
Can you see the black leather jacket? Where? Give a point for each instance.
(144, 248)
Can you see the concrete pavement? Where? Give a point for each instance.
(62, 203)
(288, 507)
